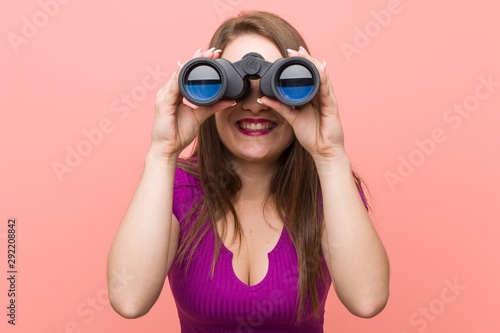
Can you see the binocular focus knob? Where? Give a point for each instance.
(252, 63)
(251, 66)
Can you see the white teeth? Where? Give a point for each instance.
(256, 127)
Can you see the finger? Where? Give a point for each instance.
(203, 113)
(188, 103)
(210, 53)
(217, 53)
(293, 53)
(328, 94)
(287, 112)
(198, 53)
(169, 94)
(206, 54)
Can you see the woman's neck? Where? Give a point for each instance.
(255, 180)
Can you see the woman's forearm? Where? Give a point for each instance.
(354, 252)
(137, 263)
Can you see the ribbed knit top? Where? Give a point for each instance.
(225, 304)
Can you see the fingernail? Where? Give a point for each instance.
(179, 64)
(234, 103)
(198, 51)
(259, 101)
(303, 49)
(218, 51)
(324, 64)
(211, 49)
(291, 51)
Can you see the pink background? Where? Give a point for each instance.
(400, 77)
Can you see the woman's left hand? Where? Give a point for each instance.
(316, 125)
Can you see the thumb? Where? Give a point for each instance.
(203, 113)
(287, 112)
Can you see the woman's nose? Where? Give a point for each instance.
(249, 103)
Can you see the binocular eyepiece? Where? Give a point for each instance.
(293, 81)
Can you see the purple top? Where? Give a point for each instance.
(226, 304)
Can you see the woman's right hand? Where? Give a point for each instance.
(175, 123)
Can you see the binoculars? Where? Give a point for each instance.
(293, 81)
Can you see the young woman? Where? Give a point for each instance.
(253, 228)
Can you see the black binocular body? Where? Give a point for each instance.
(294, 81)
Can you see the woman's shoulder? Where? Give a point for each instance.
(185, 176)
(186, 172)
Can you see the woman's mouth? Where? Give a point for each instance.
(255, 126)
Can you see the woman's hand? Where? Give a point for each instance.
(317, 125)
(175, 123)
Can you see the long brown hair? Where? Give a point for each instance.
(295, 185)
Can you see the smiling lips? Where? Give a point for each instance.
(255, 126)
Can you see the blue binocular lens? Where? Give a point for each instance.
(293, 81)
(203, 83)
